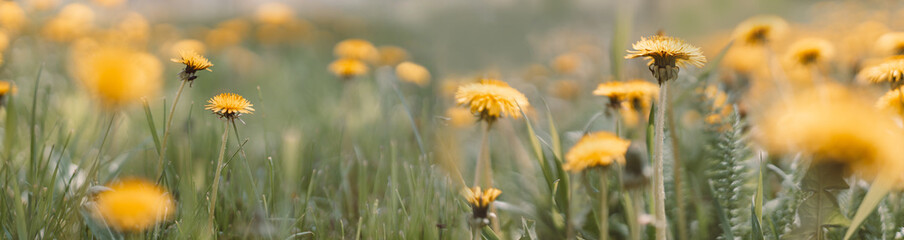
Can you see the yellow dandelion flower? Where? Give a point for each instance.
(810, 51)
(108, 3)
(133, 205)
(229, 105)
(187, 45)
(834, 125)
(4, 41)
(636, 92)
(221, 38)
(890, 71)
(460, 117)
(565, 89)
(666, 55)
(6, 88)
(73, 21)
(193, 63)
(356, 49)
(480, 200)
(567, 63)
(759, 30)
(597, 149)
(892, 101)
(117, 76)
(134, 28)
(274, 13)
(348, 68)
(413, 73)
(391, 55)
(42, 5)
(891, 43)
(12, 17)
(491, 99)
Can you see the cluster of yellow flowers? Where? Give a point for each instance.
(354, 55)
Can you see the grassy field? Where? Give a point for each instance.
(694, 119)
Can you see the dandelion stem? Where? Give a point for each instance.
(216, 179)
(604, 204)
(483, 172)
(166, 130)
(658, 185)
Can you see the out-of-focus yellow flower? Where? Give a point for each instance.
(565, 89)
(449, 85)
(480, 200)
(12, 17)
(759, 30)
(890, 71)
(108, 3)
(190, 45)
(74, 21)
(568, 63)
(491, 99)
(666, 51)
(891, 43)
(810, 51)
(116, 75)
(7, 88)
(237, 25)
(834, 125)
(635, 93)
(747, 59)
(133, 205)
(134, 28)
(4, 41)
(391, 55)
(535, 73)
(274, 13)
(892, 101)
(413, 73)
(42, 5)
(348, 68)
(356, 49)
(599, 149)
(221, 38)
(229, 105)
(460, 117)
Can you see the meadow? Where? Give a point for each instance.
(492, 119)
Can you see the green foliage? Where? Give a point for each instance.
(728, 173)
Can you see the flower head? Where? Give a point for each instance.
(664, 51)
(6, 88)
(229, 105)
(810, 51)
(891, 43)
(194, 62)
(833, 125)
(359, 49)
(413, 73)
(274, 13)
(892, 101)
(391, 55)
(634, 93)
(72, 22)
(760, 29)
(115, 75)
(12, 17)
(133, 205)
(348, 68)
(890, 71)
(480, 200)
(567, 63)
(491, 99)
(597, 149)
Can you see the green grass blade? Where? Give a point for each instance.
(876, 193)
(151, 125)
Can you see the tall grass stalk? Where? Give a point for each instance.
(216, 180)
(166, 130)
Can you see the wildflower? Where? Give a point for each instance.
(666, 55)
(108, 3)
(193, 63)
(4, 41)
(634, 93)
(187, 45)
(356, 49)
(890, 71)
(759, 30)
(833, 125)
(133, 205)
(567, 63)
(810, 51)
(491, 99)
(43, 5)
(892, 101)
(413, 73)
(221, 38)
(117, 75)
(891, 43)
(599, 149)
(348, 68)
(274, 13)
(565, 89)
(391, 55)
(229, 105)
(6, 88)
(480, 202)
(460, 117)
(74, 21)
(12, 17)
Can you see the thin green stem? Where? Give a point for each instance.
(658, 184)
(216, 180)
(604, 204)
(483, 173)
(166, 129)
